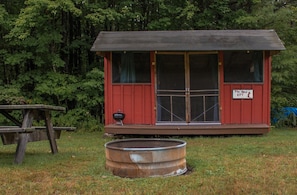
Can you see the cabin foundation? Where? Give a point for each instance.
(242, 129)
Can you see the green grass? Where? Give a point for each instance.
(220, 165)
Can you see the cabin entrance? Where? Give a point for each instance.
(187, 88)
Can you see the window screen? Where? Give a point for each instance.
(131, 67)
(243, 66)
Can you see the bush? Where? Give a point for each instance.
(289, 121)
(80, 118)
(285, 117)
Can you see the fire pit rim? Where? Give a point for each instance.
(182, 143)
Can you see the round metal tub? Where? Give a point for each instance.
(146, 157)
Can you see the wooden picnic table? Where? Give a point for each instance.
(24, 128)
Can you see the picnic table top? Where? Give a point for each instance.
(32, 106)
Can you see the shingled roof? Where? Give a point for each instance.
(189, 40)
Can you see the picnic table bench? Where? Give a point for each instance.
(16, 129)
(24, 131)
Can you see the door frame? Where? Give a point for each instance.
(187, 88)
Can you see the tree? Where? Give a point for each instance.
(281, 16)
(46, 43)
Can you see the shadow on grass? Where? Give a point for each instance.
(34, 158)
(190, 169)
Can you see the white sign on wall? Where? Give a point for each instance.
(243, 94)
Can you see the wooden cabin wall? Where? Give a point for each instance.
(135, 100)
(246, 111)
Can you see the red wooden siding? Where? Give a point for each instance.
(246, 111)
(107, 89)
(135, 100)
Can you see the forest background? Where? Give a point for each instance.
(45, 46)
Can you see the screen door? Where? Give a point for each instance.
(187, 88)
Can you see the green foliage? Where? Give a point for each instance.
(281, 16)
(38, 33)
(56, 87)
(3, 15)
(284, 71)
(67, 90)
(289, 121)
(82, 97)
(11, 95)
(81, 118)
(90, 91)
(45, 44)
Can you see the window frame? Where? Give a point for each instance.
(148, 74)
(262, 71)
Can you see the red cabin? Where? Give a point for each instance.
(198, 82)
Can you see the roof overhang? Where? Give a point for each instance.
(189, 40)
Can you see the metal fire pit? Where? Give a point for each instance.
(135, 158)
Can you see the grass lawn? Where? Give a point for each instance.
(221, 165)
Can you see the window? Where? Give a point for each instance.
(243, 66)
(131, 67)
